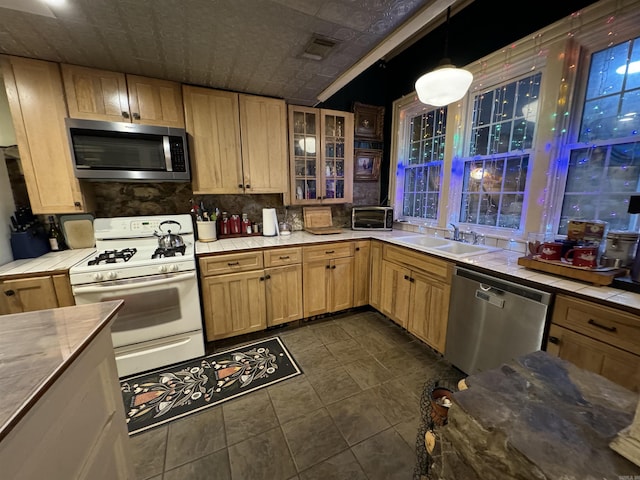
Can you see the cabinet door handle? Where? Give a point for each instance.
(9, 293)
(554, 340)
(333, 267)
(231, 264)
(330, 251)
(599, 325)
(77, 204)
(328, 267)
(406, 277)
(125, 114)
(411, 279)
(284, 257)
(262, 279)
(267, 277)
(247, 186)
(240, 185)
(136, 116)
(357, 249)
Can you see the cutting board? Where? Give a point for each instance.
(78, 230)
(318, 220)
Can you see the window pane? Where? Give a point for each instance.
(603, 79)
(493, 191)
(422, 174)
(600, 118)
(600, 181)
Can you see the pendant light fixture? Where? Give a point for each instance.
(446, 83)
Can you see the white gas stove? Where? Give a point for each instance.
(160, 322)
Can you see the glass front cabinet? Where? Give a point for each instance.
(321, 153)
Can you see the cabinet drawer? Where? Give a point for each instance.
(278, 257)
(231, 263)
(418, 261)
(328, 251)
(605, 324)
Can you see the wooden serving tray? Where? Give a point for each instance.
(594, 276)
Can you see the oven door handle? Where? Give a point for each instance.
(138, 283)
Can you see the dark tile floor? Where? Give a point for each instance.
(353, 414)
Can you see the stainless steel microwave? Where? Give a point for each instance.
(128, 151)
(372, 218)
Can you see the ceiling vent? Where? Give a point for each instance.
(318, 48)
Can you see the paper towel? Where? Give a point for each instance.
(269, 222)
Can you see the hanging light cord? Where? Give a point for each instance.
(446, 35)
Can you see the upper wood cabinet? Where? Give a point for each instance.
(321, 150)
(116, 97)
(36, 101)
(237, 142)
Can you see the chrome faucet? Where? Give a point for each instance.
(456, 232)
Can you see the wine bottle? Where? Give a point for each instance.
(56, 241)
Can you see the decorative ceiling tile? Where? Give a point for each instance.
(251, 46)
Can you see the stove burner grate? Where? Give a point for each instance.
(113, 256)
(169, 252)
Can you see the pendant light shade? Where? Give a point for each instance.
(446, 83)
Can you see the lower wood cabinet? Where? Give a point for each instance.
(597, 338)
(233, 294)
(327, 278)
(35, 293)
(375, 273)
(414, 292)
(361, 272)
(248, 292)
(283, 273)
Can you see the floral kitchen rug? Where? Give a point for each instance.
(158, 397)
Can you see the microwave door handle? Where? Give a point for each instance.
(167, 153)
(139, 283)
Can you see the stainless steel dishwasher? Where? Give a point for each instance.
(492, 321)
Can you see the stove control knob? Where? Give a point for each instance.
(97, 276)
(112, 275)
(162, 268)
(173, 267)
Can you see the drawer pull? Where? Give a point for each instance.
(406, 277)
(330, 251)
(604, 327)
(333, 267)
(328, 267)
(357, 249)
(9, 293)
(284, 257)
(554, 340)
(231, 264)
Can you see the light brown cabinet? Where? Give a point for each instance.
(237, 142)
(35, 293)
(321, 152)
(415, 291)
(247, 292)
(117, 97)
(375, 284)
(36, 101)
(283, 274)
(597, 338)
(361, 272)
(327, 278)
(233, 294)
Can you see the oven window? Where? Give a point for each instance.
(146, 309)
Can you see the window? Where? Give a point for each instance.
(495, 171)
(420, 164)
(603, 171)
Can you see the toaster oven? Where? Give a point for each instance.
(372, 218)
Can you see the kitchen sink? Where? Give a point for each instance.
(422, 241)
(445, 247)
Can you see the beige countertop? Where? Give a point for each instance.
(36, 347)
(47, 263)
(501, 261)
